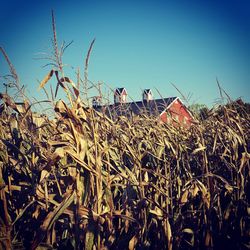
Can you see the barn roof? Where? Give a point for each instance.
(153, 107)
(120, 90)
(146, 91)
(156, 106)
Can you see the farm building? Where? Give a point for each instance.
(169, 110)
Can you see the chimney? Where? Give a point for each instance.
(120, 95)
(147, 95)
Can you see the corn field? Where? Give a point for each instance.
(80, 180)
(84, 181)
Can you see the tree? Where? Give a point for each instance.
(199, 111)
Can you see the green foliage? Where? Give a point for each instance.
(200, 111)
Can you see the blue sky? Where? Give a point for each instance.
(139, 44)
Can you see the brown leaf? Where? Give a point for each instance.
(46, 79)
(184, 197)
(168, 233)
(51, 218)
(132, 243)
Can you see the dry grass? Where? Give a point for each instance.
(83, 181)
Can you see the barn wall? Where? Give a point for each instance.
(177, 113)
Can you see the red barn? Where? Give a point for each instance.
(177, 112)
(169, 110)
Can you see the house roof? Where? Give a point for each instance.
(152, 107)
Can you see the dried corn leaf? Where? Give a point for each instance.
(46, 79)
(202, 148)
(51, 218)
(132, 243)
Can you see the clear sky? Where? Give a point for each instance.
(139, 44)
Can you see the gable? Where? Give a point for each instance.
(177, 112)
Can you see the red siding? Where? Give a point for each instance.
(177, 113)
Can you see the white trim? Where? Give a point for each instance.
(172, 102)
(124, 89)
(169, 105)
(187, 110)
(178, 98)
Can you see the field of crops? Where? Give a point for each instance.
(83, 181)
(80, 180)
